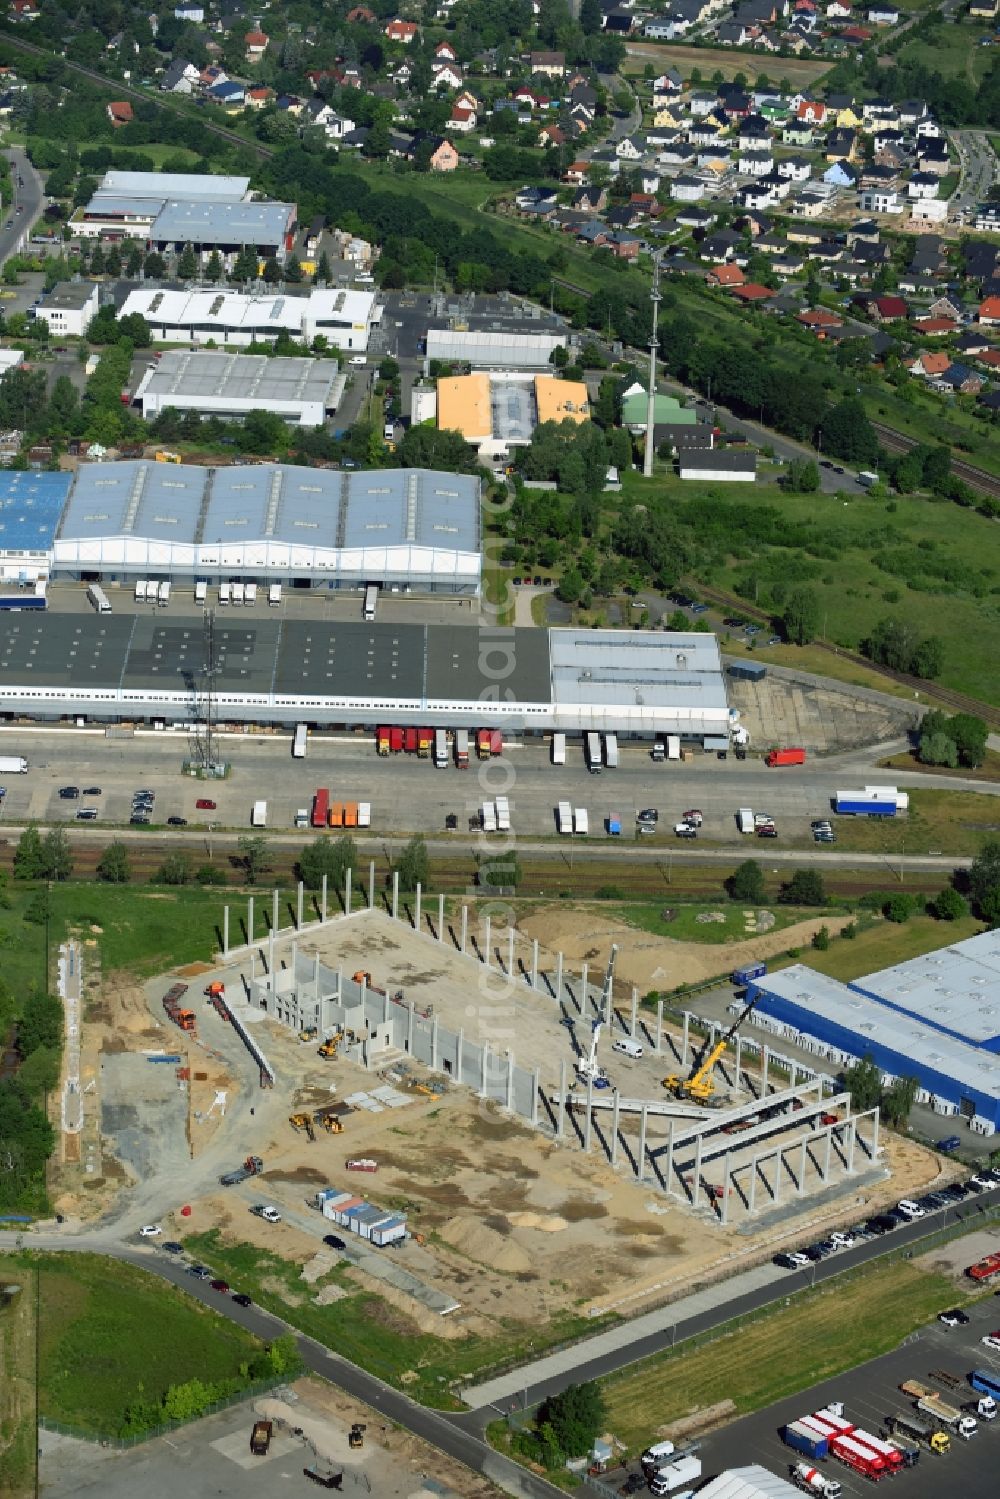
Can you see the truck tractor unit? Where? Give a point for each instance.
(811, 1481)
(184, 1019)
(252, 1166)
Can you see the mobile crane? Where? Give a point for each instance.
(698, 1085)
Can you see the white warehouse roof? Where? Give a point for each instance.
(227, 384)
(956, 989)
(500, 351)
(211, 222)
(222, 314)
(161, 185)
(752, 1482)
(670, 684)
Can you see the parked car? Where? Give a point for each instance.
(200, 1272)
(767, 831)
(69, 793)
(241, 1299)
(991, 1340)
(649, 814)
(334, 1241)
(150, 1231)
(791, 1259)
(685, 830)
(172, 1247)
(92, 791)
(204, 805)
(694, 817)
(87, 814)
(177, 822)
(909, 1209)
(954, 1318)
(222, 1286)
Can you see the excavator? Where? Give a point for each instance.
(698, 1086)
(329, 1047)
(302, 1122)
(330, 1123)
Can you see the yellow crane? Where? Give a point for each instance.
(329, 1047)
(302, 1122)
(698, 1085)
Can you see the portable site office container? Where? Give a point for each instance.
(300, 741)
(364, 814)
(581, 821)
(673, 746)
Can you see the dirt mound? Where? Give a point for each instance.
(471, 1236)
(548, 1223)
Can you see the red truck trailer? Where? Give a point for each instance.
(785, 757)
(320, 808)
(395, 740)
(891, 1455)
(410, 741)
(854, 1454)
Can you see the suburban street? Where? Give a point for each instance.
(19, 216)
(978, 164)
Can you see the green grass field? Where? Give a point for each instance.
(684, 925)
(884, 943)
(110, 1334)
(949, 822)
(800, 72)
(18, 1439)
(947, 550)
(142, 930)
(368, 1331)
(815, 1336)
(952, 50)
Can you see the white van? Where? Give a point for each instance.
(655, 1455)
(627, 1048)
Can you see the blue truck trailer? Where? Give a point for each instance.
(811, 1444)
(743, 976)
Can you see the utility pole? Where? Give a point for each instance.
(654, 297)
(209, 671)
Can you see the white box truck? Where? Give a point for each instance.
(744, 820)
(581, 821)
(441, 748)
(99, 599)
(163, 593)
(200, 591)
(592, 748)
(250, 594)
(503, 815)
(225, 594)
(564, 817)
(364, 814)
(237, 593)
(673, 746)
(558, 749)
(611, 751)
(13, 765)
(683, 1472)
(140, 590)
(274, 595)
(258, 817)
(300, 742)
(489, 817)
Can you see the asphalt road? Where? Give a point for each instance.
(978, 164)
(16, 230)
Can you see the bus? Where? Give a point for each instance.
(371, 599)
(299, 742)
(99, 599)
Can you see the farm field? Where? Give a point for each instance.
(800, 72)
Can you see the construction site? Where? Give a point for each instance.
(433, 1106)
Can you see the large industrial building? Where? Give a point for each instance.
(935, 1018)
(307, 528)
(234, 319)
(168, 210)
(304, 392)
(272, 669)
(489, 350)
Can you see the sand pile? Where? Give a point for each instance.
(473, 1238)
(549, 1223)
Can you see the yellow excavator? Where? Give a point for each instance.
(698, 1086)
(331, 1124)
(302, 1122)
(329, 1047)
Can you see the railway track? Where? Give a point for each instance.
(958, 701)
(976, 478)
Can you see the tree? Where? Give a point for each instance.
(863, 1081)
(800, 621)
(187, 265)
(41, 1023)
(175, 870)
(898, 1099)
(56, 855)
(948, 905)
(29, 860)
(803, 476)
(970, 735)
(746, 883)
(984, 882)
(848, 433)
(293, 270)
(113, 865)
(576, 1416)
(253, 857)
(325, 857)
(805, 888)
(272, 271)
(937, 749)
(214, 268)
(570, 586)
(821, 939)
(414, 867)
(898, 908)
(154, 266)
(323, 271)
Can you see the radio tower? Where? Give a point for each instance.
(209, 671)
(654, 297)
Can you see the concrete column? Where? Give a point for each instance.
(561, 1108)
(300, 895)
(486, 1063)
(510, 950)
(589, 1126)
(440, 918)
(874, 1119)
(250, 920)
(459, 1049)
(316, 975)
(793, 1075)
(395, 895)
(826, 1157)
(274, 910)
(340, 985)
(669, 1173)
(640, 1168)
(726, 1171)
(685, 1037)
(465, 928)
(635, 1012)
(802, 1168)
(253, 965)
(487, 940)
(765, 1062)
(752, 1189)
(270, 956)
(416, 908)
(535, 1076)
(697, 1169)
(739, 1057)
(510, 1082)
(852, 1130)
(322, 899)
(659, 1026)
(585, 996)
(609, 1007)
(435, 1064)
(371, 884)
(777, 1178)
(225, 931)
(559, 981)
(614, 1131)
(534, 964)
(347, 891)
(409, 1027)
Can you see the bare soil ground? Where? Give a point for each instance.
(952, 1259)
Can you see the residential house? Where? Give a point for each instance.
(663, 29)
(753, 294)
(552, 64)
(819, 320)
(882, 14)
(463, 119)
(631, 148)
(625, 245)
(192, 13)
(808, 205)
(755, 164)
(120, 113)
(724, 244)
(795, 168)
(724, 276)
(927, 129)
(958, 377)
(551, 135)
(988, 312)
(694, 217)
(256, 43)
(932, 155)
(687, 190)
(590, 199)
(179, 77)
(798, 133)
(398, 30)
(24, 10)
(841, 144)
(841, 174)
(619, 22)
(911, 112)
(732, 34)
(837, 10)
(889, 309)
(446, 75)
(535, 198)
(934, 327)
(923, 185)
(879, 200)
(987, 217)
(811, 112)
(594, 234)
(290, 104)
(443, 157)
(929, 211)
(259, 97)
(229, 96)
(445, 52)
(701, 103)
(757, 195)
(929, 364)
(983, 10)
(845, 116)
(971, 341)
